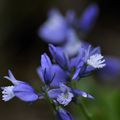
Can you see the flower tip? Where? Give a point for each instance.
(51, 45)
(44, 55)
(91, 97)
(10, 76)
(94, 8)
(10, 72)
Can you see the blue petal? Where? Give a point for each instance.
(41, 74)
(82, 93)
(12, 78)
(89, 17)
(64, 88)
(73, 44)
(47, 75)
(54, 29)
(77, 63)
(45, 61)
(59, 56)
(64, 115)
(51, 73)
(25, 92)
(54, 93)
(96, 50)
(88, 70)
(60, 76)
(88, 50)
(45, 71)
(75, 76)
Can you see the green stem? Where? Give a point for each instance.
(50, 101)
(81, 106)
(85, 112)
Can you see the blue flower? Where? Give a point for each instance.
(20, 89)
(111, 70)
(93, 57)
(64, 94)
(51, 74)
(86, 61)
(54, 29)
(59, 56)
(88, 17)
(73, 44)
(62, 114)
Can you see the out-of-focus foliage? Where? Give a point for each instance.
(106, 105)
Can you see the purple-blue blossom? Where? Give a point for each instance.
(56, 28)
(73, 43)
(65, 94)
(62, 114)
(71, 60)
(59, 56)
(19, 89)
(50, 74)
(87, 60)
(88, 17)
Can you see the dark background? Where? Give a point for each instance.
(20, 49)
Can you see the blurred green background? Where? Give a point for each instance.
(20, 50)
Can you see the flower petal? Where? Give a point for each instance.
(82, 93)
(59, 56)
(89, 17)
(54, 29)
(25, 92)
(53, 93)
(12, 78)
(60, 76)
(45, 61)
(64, 115)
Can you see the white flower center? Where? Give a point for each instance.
(65, 98)
(96, 61)
(7, 93)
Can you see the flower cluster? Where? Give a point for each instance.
(69, 31)
(57, 79)
(71, 62)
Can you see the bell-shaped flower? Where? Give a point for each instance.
(64, 95)
(51, 74)
(59, 56)
(62, 114)
(19, 89)
(54, 29)
(94, 58)
(88, 59)
(65, 62)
